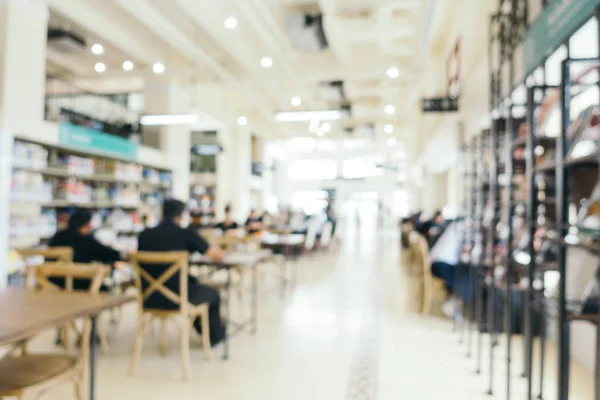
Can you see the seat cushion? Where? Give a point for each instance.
(31, 370)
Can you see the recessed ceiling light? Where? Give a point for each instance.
(296, 101)
(326, 127)
(231, 23)
(389, 128)
(266, 62)
(100, 67)
(393, 72)
(391, 141)
(389, 109)
(97, 49)
(314, 125)
(158, 68)
(127, 65)
(242, 121)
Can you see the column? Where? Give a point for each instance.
(168, 96)
(23, 30)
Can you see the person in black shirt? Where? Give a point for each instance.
(254, 223)
(86, 249)
(170, 236)
(228, 224)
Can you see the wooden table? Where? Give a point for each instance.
(248, 260)
(26, 313)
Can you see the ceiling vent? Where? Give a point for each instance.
(307, 33)
(65, 41)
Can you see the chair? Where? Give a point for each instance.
(434, 291)
(177, 262)
(412, 270)
(27, 373)
(49, 253)
(326, 235)
(311, 237)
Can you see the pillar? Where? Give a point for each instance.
(168, 96)
(23, 30)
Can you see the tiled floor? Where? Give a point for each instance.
(340, 334)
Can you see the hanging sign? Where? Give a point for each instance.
(89, 140)
(439, 105)
(559, 20)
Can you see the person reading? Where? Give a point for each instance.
(170, 236)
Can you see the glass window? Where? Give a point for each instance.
(309, 201)
(312, 169)
(553, 66)
(360, 168)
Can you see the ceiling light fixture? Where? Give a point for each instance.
(314, 125)
(393, 72)
(391, 141)
(389, 109)
(100, 67)
(231, 23)
(242, 121)
(296, 101)
(389, 128)
(158, 68)
(266, 62)
(302, 116)
(127, 65)
(326, 127)
(169, 119)
(97, 49)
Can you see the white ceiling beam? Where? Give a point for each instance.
(98, 21)
(162, 27)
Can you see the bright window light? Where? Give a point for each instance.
(296, 101)
(361, 167)
(100, 67)
(266, 62)
(389, 128)
(97, 49)
(393, 72)
(169, 119)
(301, 116)
(231, 23)
(390, 109)
(158, 68)
(242, 121)
(127, 65)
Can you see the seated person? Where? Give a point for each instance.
(254, 223)
(196, 222)
(170, 236)
(86, 249)
(228, 225)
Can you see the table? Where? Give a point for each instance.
(25, 313)
(236, 260)
(289, 243)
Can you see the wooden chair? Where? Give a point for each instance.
(49, 253)
(186, 313)
(434, 291)
(23, 374)
(412, 270)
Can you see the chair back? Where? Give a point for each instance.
(175, 262)
(49, 253)
(95, 273)
(326, 234)
(311, 237)
(252, 242)
(38, 276)
(421, 250)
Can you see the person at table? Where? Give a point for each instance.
(170, 236)
(254, 223)
(79, 236)
(228, 225)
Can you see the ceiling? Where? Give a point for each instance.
(365, 38)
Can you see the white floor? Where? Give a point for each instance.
(340, 333)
